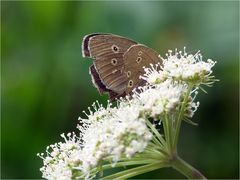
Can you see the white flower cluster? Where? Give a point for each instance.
(111, 133)
(61, 158)
(107, 134)
(169, 81)
(160, 98)
(182, 67)
(120, 134)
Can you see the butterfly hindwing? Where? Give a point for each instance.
(137, 57)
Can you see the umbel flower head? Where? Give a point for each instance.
(125, 134)
(184, 67)
(61, 158)
(120, 133)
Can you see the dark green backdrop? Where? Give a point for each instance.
(46, 85)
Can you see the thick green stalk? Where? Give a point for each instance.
(186, 169)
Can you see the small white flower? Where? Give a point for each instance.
(192, 106)
(98, 112)
(61, 158)
(152, 75)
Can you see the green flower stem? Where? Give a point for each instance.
(120, 164)
(186, 169)
(180, 117)
(128, 163)
(157, 134)
(157, 150)
(169, 130)
(166, 133)
(136, 171)
(153, 152)
(156, 141)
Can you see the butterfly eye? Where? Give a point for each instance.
(130, 83)
(139, 59)
(114, 61)
(115, 48)
(128, 73)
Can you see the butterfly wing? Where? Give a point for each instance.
(137, 57)
(107, 50)
(100, 86)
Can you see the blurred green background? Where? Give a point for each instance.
(46, 85)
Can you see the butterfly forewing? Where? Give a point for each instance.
(107, 51)
(95, 45)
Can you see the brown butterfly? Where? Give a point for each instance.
(118, 63)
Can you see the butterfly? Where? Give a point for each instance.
(117, 63)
